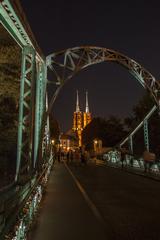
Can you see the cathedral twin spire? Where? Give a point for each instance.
(77, 103)
(87, 106)
(81, 120)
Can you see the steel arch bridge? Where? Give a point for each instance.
(34, 155)
(65, 64)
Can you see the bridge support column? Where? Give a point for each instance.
(131, 144)
(26, 112)
(39, 107)
(146, 136)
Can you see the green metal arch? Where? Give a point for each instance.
(66, 63)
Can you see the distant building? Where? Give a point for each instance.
(69, 141)
(97, 146)
(81, 119)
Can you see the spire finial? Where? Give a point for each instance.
(87, 107)
(77, 103)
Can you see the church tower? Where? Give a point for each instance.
(78, 121)
(86, 114)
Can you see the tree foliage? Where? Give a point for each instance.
(10, 68)
(54, 128)
(140, 110)
(110, 131)
(8, 136)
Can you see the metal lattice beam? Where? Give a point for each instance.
(11, 20)
(26, 112)
(12, 23)
(65, 64)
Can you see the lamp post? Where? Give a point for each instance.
(95, 145)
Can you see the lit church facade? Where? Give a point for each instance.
(81, 119)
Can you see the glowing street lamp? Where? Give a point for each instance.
(95, 142)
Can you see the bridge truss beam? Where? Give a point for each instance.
(26, 108)
(65, 64)
(33, 79)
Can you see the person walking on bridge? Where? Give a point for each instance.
(123, 156)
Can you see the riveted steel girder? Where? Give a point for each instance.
(11, 21)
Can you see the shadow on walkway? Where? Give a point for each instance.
(64, 213)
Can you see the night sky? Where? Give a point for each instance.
(132, 28)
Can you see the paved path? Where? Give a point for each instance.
(65, 213)
(129, 203)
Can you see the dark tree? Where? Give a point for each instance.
(115, 131)
(139, 112)
(110, 131)
(10, 68)
(8, 136)
(54, 128)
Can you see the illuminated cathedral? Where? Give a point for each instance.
(81, 119)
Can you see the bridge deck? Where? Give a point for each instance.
(65, 213)
(128, 203)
